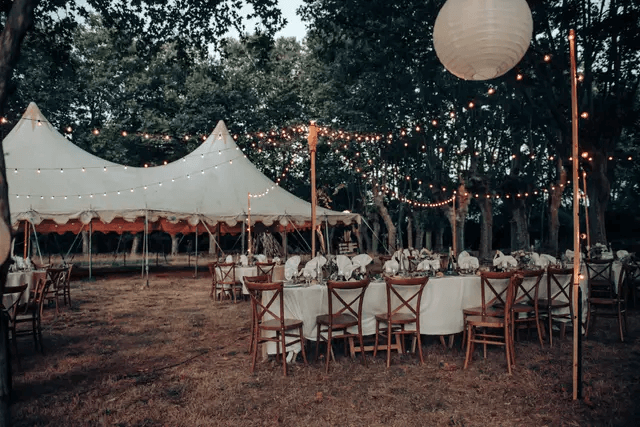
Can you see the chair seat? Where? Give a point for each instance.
(603, 301)
(340, 321)
(544, 303)
(477, 311)
(490, 321)
(522, 307)
(396, 318)
(274, 324)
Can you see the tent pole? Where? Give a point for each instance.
(586, 210)
(248, 225)
(218, 240)
(90, 251)
(196, 272)
(26, 238)
(577, 327)
(313, 141)
(326, 234)
(455, 240)
(146, 245)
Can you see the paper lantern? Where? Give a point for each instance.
(482, 39)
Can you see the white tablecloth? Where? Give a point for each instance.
(443, 301)
(17, 278)
(241, 272)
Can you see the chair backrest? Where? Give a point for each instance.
(261, 308)
(493, 288)
(36, 297)
(556, 278)
(16, 293)
(263, 278)
(56, 277)
(527, 289)
(600, 279)
(266, 268)
(226, 272)
(515, 282)
(400, 288)
(342, 293)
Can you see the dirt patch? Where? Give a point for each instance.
(167, 355)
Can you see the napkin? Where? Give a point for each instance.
(361, 261)
(228, 259)
(504, 261)
(244, 261)
(391, 267)
(310, 269)
(468, 262)
(569, 254)
(622, 254)
(276, 260)
(424, 252)
(260, 257)
(291, 267)
(428, 264)
(343, 262)
(551, 259)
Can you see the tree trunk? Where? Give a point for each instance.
(519, 231)
(376, 234)
(19, 20)
(486, 229)
(367, 239)
(599, 190)
(384, 213)
(555, 197)
(439, 239)
(213, 244)
(427, 239)
(85, 242)
(174, 244)
(410, 231)
(399, 241)
(135, 244)
(462, 201)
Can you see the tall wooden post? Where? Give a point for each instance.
(249, 223)
(586, 210)
(455, 234)
(26, 239)
(577, 325)
(313, 142)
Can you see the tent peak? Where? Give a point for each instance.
(34, 113)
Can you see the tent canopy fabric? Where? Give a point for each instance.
(55, 184)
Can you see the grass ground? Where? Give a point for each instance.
(128, 355)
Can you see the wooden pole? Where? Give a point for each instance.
(26, 238)
(313, 142)
(90, 249)
(586, 210)
(577, 326)
(249, 223)
(195, 274)
(455, 237)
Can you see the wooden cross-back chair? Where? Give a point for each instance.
(11, 300)
(265, 268)
(345, 311)
(525, 314)
(492, 293)
(31, 312)
(57, 277)
(269, 317)
(264, 278)
(633, 279)
(606, 298)
(398, 316)
(223, 281)
(494, 330)
(557, 304)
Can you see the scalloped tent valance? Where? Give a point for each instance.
(58, 187)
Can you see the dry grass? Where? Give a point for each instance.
(127, 355)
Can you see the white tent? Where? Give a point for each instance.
(59, 187)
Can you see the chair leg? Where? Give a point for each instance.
(283, 337)
(469, 338)
(375, 344)
(254, 353)
(389, 343)
(550, 319)
(620, 327)
(304, 353)
(464, 331)
(361, 339)
(329, 332)
(318, 337)
(588, 322)
(419, 340)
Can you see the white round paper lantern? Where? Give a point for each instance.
(482, 39)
